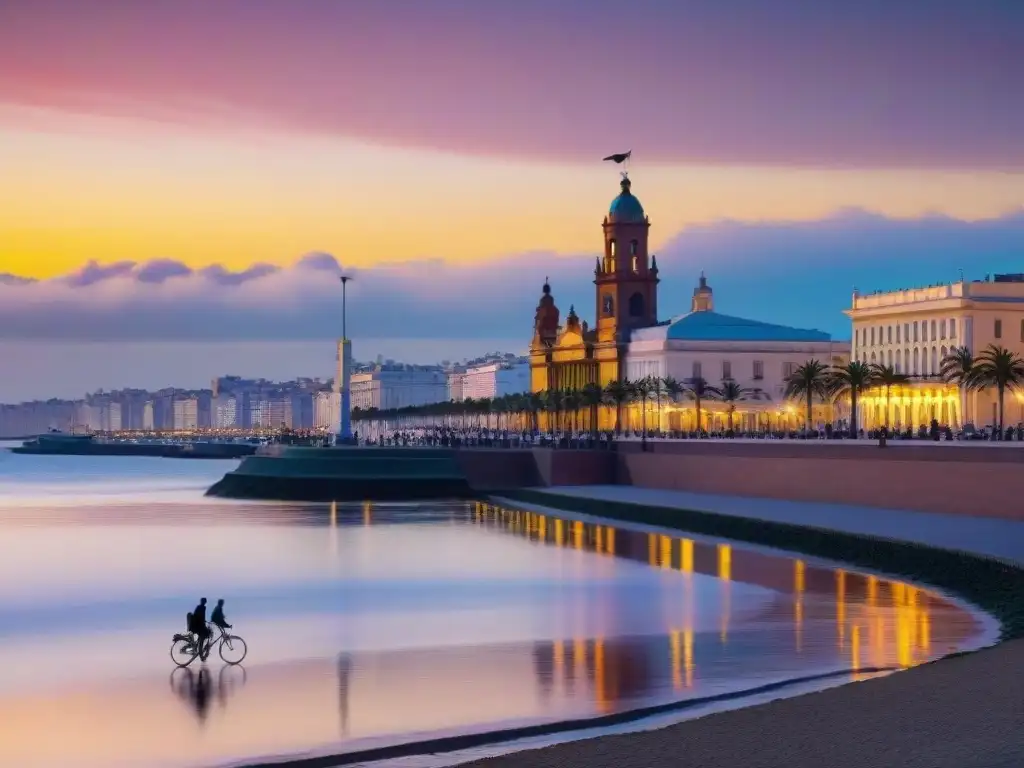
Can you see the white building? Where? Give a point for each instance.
(326, 407)
(456, 384)
(913, 330)
(225, 412)
(270, 412)
(398, 386)
(185, 413)
(495, 379)
(704, 344)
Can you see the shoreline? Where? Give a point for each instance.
(992, 587)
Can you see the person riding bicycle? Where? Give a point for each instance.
(217, 617)
(199, 627)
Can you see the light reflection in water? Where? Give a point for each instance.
(840, 620)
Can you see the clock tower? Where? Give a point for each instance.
(625, 281)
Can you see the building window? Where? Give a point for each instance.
(608, 304)
(934, 334)
(906, 332)
(917, 358)
(888, 334)
(697, 373)
(872, 336)
(1022, 330)
(915, 339)
(888, 358)
(788, 369)
(636, 305)
(952, 328)
(897, 333)
(998, 330)
(633, 247)
(634, 263)
(906, 361)
(611, 247)
(759, 364)
(942, 329)
(924, 331)
(726, 370)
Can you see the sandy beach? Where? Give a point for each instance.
(962, 712)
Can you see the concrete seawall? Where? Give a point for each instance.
(967, 480)
(970, 480)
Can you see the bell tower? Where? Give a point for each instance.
(626, 278)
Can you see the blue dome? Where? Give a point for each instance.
(626, 207)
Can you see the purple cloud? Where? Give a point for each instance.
(93, 272)
(918, 83)
(795, 273)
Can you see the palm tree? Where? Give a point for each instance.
(571, 404)
(852, 379)
(657, 390)
(591, 397)
(642, 390)
(888, 377)
(535, 404)
(616, 393)
(553, 403)
(998, 367)
(731, 393)
(808, 381)
(699, 389)
(956, 368)
(672, 388)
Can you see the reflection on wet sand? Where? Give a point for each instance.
(818, 619)
(893, 615)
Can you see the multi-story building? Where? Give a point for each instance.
(456, 378)
(185, 413)
(913, 330)
(398, 386)
(496, 379)
(325, 410)
(225, 412)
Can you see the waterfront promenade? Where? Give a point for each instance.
(963, 712)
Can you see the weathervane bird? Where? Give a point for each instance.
(620, 158)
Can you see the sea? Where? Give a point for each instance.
(373, 625)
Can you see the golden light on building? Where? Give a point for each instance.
(559, 532)
(666, 551)
(609, 540)
(598, 538)
(724, 562)
(577, 531)
(652, 549)
(558, 658)
(367, 512)
(686, 555)
(855, 648)
(542, 528)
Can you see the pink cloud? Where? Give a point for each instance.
(922, 84)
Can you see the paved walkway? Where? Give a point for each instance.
(999, 538)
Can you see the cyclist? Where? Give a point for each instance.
(199, 627)
(217, 617)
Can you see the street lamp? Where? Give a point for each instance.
(344, 369)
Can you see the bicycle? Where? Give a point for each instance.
(185, 647)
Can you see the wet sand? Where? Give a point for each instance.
(961, 712)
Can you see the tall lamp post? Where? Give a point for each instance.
(345, 369)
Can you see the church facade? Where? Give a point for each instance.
(628, 342)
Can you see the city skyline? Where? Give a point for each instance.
(157, 217)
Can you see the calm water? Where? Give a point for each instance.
(372, 624)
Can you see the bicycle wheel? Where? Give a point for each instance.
(233, 649)
(183, 652)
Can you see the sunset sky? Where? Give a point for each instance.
(449, 152)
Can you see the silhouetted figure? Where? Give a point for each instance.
(199, 627)
(217, 617)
